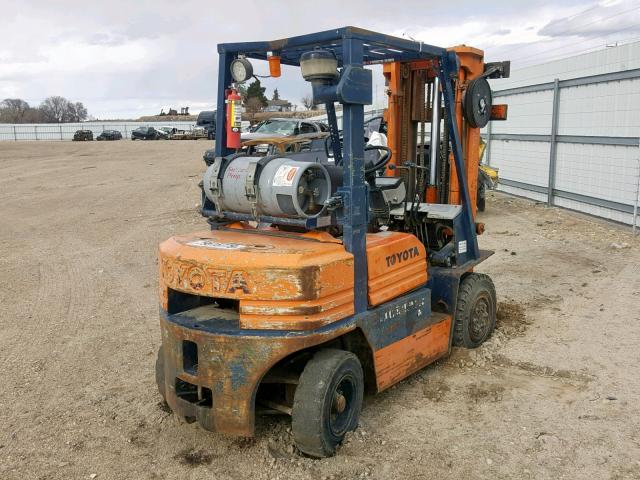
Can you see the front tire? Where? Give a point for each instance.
(475, 316)
(327, 401)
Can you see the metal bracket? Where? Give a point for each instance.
(250, 188)
(215, 184)
(334, 202)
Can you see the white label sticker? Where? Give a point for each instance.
(217, 245)
(462, 246)
(284, 176)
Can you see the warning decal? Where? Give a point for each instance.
(203, 242)
(284, 176)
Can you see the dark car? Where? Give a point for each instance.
(109, 135)
(83, 136)
(147, 133)
(207, 120)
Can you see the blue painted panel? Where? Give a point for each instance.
(378, 47)
(397, 318)
(448, 70)
(355, 86)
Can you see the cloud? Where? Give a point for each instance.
(129, 58)
(604, 19)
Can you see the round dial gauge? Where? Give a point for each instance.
(241, 70)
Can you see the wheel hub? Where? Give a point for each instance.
(480, 319)
(339, 402)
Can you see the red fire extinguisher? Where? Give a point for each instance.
(234, 118)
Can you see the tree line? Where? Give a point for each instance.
(54, 109)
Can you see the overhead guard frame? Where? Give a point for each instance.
(357, 47)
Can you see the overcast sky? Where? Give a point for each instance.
(127, 58)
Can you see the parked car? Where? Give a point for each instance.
(166, 133)
(283, 127)
(207, 120)
(148, 133)
(109, 135)
(83, 136)
(280, 127)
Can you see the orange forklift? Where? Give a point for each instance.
(341, 266)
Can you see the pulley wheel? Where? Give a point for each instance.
(477, 102)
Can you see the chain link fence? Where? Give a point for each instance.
(65, 131)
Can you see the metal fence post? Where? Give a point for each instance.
(553, 149)
(487, 150)
(35, 131)
(15, 137)
(637, 199)
(126, 135)
(60, 131)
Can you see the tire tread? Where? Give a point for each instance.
(465, 292)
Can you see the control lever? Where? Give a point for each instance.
(334, 202)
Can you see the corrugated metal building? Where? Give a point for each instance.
(572, 142)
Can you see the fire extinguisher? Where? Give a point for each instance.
(234, 118)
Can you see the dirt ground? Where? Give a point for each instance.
(554, 394)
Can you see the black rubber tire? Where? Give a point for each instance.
(476, 308)
(160, 372)
(316, 431)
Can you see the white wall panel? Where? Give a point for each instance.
(528, 113)
(615, 59)
(607, 109)
(596, 211)
(601, 171)
(521, 192)
(526, 162)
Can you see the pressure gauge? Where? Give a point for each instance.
(241, 70)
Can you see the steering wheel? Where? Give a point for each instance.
(386, 158)
(375, 167)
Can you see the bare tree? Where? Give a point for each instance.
(34, 115)
(76, 112)
(60, 110)
(55, 109)
(307, 101)
(252, 106)
(13, 110)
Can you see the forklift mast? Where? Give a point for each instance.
(414, 100)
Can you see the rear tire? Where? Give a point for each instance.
(327, 401)
(475, 316)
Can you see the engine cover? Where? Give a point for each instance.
(286, 281)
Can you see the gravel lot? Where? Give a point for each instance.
(554, 394)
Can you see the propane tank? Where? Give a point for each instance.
(283, 188)
(234, 118)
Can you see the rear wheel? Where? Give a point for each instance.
(327, 401)
(475, 316)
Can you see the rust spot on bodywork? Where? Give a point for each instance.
(230, 367)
